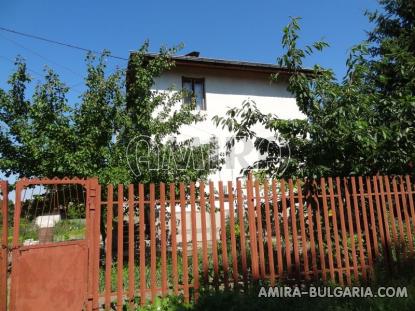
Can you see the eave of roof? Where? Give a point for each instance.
(192, 61)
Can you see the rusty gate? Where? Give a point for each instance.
(52, 270)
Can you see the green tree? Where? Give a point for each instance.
(45, 136)
(361, 125)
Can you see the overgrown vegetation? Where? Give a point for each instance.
(362, 125)
(107, 132)
(404, 275)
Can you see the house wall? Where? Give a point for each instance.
(226, 89)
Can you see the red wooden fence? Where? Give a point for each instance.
(151, 240)
(161, 239)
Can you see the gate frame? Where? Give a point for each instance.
(92, 235)
(4, 245)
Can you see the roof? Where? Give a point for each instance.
(185, 60)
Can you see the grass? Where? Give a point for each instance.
(69, 229)
(64, 230)
(402, 275)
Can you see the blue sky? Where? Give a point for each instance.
(242, 30)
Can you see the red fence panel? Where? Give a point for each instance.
(151, 240)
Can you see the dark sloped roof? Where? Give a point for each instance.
(229, 64)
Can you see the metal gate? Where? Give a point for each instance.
(53, 249)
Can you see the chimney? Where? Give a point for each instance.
(193, 54)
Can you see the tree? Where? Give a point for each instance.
(361, 125)
(45, 136)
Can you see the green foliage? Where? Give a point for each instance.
(75, 211)
(157, 131)
(169, 303)
(249, 300)
(28, 230)
(361, 125)
(71, 229)
(45, 136)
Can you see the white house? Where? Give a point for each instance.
(218, 85)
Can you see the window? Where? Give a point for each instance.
(195, 92)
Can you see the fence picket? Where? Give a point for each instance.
(379, 217)
(153, 275)
(294, 228)
(320, 236)
(204, 233)
(311, 231)
(302, 229)
(212, 212)
(385, 218)
(97, 241)
(406, 216)
(232, 233)
(260, 234)
(184, 242)
(120, 248)
(131, 284)
(163, 242)
(409, 192)
(397, 205)
(142, 248)
(175, 276)
(365, 224)
(343, 230)
(4, 206)
(223, 235)
(358, 229)
(195, 259)
(327, 227)
(391, 212)
(277, 228)
(372, 217)
(269, 234)
(351, 229)
(252, 230)
(335, 231)
(108, 247)
(285, 224)
(241, 216)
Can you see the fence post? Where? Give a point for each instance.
(108, 246)
(15, 244)
(3, 246)
(92, 235)
(252, 229)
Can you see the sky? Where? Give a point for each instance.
(234, 30)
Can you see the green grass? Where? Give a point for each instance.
(402, 275)
(64, 230)
(69, 229)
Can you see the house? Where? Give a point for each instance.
(217, 85)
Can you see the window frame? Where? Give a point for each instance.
(192, 80)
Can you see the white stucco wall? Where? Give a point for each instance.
(227, 89)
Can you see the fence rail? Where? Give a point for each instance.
(160, 239)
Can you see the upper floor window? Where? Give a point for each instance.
(195, 92)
